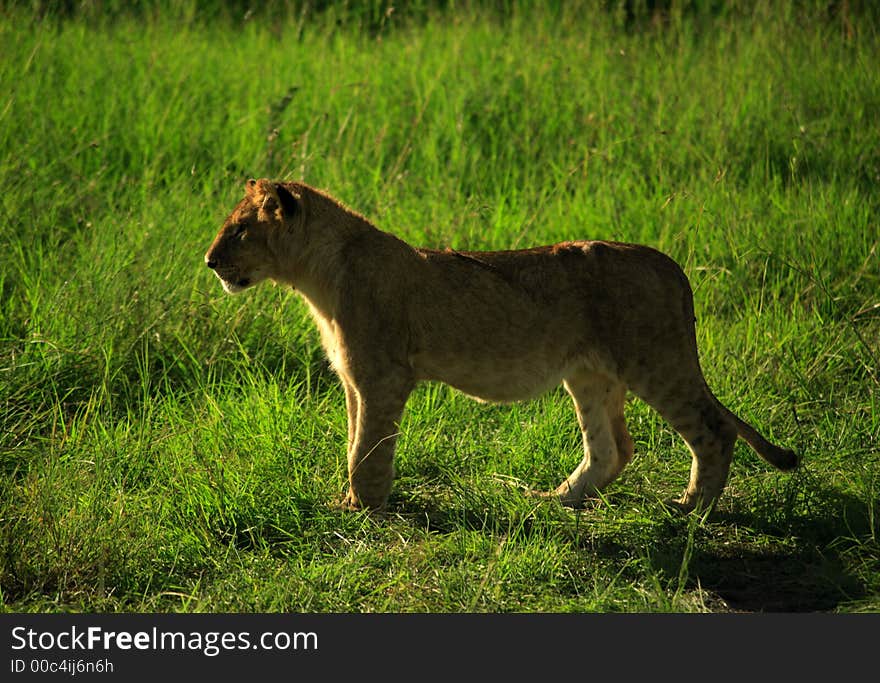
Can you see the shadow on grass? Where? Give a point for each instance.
(799, 561)
(814, 553)
(776, 581)
(747, 560)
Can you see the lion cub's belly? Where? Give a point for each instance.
(495, 379)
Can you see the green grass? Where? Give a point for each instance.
(165, 447)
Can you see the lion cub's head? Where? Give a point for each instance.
(248, 246)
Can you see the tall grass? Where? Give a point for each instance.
(165, 447)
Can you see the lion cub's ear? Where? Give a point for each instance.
(273, 199)
(259, 189)
(289, 202)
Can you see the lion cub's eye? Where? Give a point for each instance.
(239, 229)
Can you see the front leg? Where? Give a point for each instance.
(378, 408)
(351, 409)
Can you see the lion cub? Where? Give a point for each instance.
(599, 317)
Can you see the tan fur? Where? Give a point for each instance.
(599, 317)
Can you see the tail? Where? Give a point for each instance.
(781, 458)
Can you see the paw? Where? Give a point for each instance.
(566, 499)
(353, 503)
(347, 504)
(679, 505)
(689, 503)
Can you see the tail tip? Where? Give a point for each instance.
(787, 460)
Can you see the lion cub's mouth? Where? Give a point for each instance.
(234, 286)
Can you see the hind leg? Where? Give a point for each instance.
(710, 435)
(625, 445)
(607, 445)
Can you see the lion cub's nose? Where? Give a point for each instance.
(210, 263)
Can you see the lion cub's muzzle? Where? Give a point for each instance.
(230, 278)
